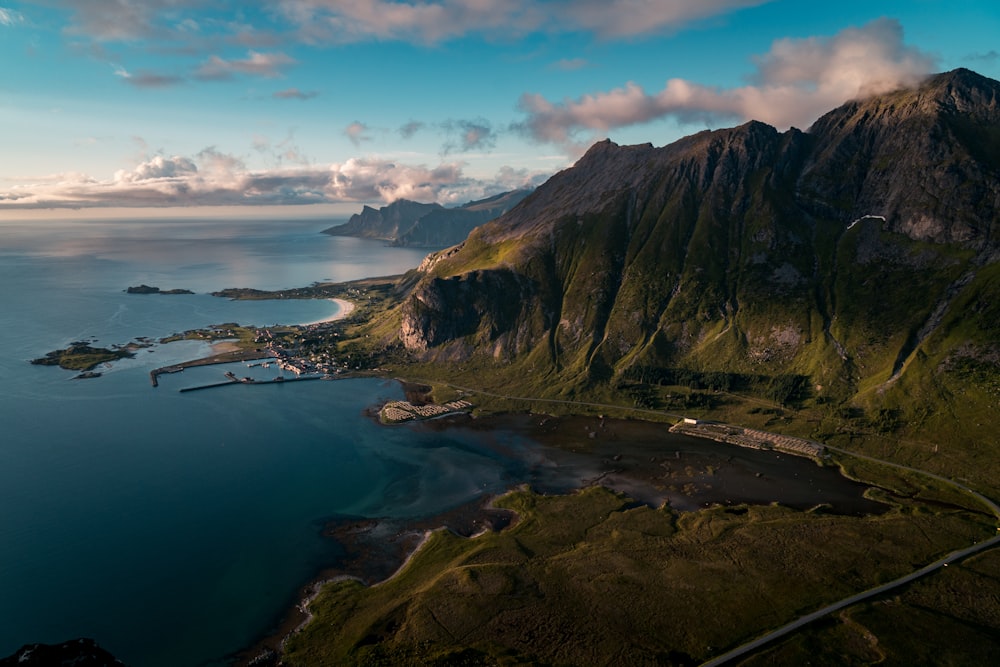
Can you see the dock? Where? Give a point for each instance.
(223, 358)
(278, 380)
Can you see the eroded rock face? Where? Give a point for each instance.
(470, 310)
(737, 247)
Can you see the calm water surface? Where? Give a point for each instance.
(175, 528)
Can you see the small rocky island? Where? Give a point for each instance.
(80, 356)
(146, 289)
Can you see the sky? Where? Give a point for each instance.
(308, 108)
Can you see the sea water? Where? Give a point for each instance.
(176, 528)
(172, 527)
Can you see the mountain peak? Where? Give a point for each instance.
(641, 256)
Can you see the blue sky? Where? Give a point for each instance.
(314, 107)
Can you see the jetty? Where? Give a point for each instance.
(232, 379)
(223, 358)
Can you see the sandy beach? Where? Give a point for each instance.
(346, 308)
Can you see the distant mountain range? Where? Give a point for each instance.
(408, 223)
(859, 257)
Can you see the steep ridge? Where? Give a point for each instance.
(409, 223)
(838, 254)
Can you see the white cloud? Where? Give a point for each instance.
(628, 18)
(268, 65)
(411, 128)
(468, 135)
(158, 168)
(294, 94)
(357, 132)
(123, 20)
(340, 21)
(570, 64)
(433, 22)
(10, 17)
(795, 82)
(212, 178)
(146, 79)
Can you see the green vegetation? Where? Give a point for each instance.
(241, 336)
(80, 356)
(952, 618)
(590, 578)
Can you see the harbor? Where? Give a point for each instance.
(232, 379)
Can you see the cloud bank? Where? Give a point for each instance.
(212, 178)
(430, 22)
(795, 82)
(343, 21)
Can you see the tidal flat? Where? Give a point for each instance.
(639, 463)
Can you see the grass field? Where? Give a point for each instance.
(590, 578)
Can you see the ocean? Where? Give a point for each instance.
(176, 528)
(171, 527)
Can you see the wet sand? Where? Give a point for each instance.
(346, 308)
(561, 454)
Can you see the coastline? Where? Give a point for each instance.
(378, 550)
(629, 457)
(346, 308)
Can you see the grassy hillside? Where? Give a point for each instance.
(593, 579)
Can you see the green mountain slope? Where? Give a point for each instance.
(851, 266)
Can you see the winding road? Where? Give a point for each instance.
(952, 557)
(751, 646)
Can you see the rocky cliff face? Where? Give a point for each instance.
(408, 223)
(384, 223)
(843, 253)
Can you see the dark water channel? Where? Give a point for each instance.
(640, 459)
(652, 465)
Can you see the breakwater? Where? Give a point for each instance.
(277, 380)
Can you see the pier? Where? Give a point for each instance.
(278, 380)
(223, 358)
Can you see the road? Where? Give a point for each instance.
(557, 401)
(755, 644)
(953, 557)
(752, 646)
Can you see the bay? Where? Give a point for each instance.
(171, 527)
(176, 528)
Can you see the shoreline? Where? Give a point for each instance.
(346, 308)
(379, 549)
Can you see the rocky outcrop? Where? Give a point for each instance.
(73, 653)
(146, 289)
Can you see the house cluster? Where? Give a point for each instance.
(288, 361)
(749, 437)
(401, 411)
